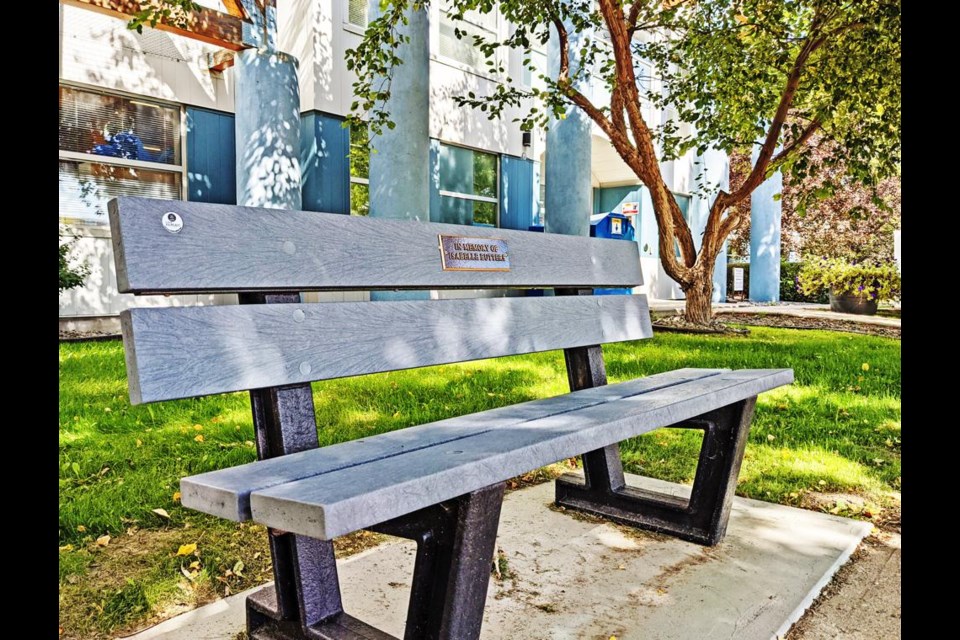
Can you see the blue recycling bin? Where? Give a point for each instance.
(618, 227)
(612, 225)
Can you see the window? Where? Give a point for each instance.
(463, 50)
(359, 171)
(112, 145)
(538, 59)
(468, 186)
(358, 12)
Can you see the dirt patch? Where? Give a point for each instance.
(87, 336)
(862, 602)
(677, 323)
(797, 322)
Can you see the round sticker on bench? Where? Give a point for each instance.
(172, 222)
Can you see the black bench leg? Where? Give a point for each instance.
(455, 547)
(701, 519)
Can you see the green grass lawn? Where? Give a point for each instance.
(836, 430)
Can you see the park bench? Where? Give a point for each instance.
(440, 484)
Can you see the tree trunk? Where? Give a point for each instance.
(697, 308)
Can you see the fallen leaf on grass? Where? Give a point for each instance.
(186, 549)
(103, 540)
(162, 513)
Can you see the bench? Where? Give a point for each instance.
(440, 484)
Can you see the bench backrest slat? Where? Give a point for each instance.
(212, 247)
(186, 352)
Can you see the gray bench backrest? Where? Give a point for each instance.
(202, 248)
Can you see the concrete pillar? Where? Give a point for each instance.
(568, 157)
(268, 129)
(400, 167)
(765, 240)
(400, 164)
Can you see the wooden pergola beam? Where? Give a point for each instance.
(214, 27)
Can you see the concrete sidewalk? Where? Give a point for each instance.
(572, 578)
(798, 309)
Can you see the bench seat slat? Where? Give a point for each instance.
(344, 501)
(358, 496)
(186, 352)
(226, 493)
(278, 250)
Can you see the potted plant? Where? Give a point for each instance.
(854, 287)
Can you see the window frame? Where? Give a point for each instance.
(482, 71)
(357, 179)
(351, 26)
(494, 200)
(180, 168)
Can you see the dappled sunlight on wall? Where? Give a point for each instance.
(100, 50)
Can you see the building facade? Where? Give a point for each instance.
(144, 114)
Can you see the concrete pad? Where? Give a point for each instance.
(574, 578)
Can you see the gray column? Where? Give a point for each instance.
(267, 97)
(400, 164)
(399, 169)
(765, 240)
(568, 154)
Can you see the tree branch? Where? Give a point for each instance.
(632, 17)
(801, 140)
(758, 173)
(671, 223)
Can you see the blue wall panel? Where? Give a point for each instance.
(211, 157)
(517, 193)
(325, 163)
(607, 199)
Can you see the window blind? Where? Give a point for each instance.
(119, 127)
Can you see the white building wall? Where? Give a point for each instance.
(318, 34)
(99, 51)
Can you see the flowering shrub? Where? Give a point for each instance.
(840, 277)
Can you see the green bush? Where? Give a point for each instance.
(873, 280)
(790, 285)
(70, 276)
(746, 278)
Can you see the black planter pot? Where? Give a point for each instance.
(849, 303)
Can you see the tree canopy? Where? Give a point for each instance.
(767, 75)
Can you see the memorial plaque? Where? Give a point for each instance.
(464, 253)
